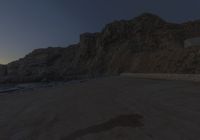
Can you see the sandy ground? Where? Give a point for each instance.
(113, 108)
(165, 76)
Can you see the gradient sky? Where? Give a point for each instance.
(29, 24)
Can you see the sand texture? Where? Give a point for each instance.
(112, 108)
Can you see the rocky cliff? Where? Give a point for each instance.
(146, 43)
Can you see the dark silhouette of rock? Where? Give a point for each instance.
(3, 70)
(146, 43)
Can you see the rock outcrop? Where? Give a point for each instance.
(146, 43)
(3, 70)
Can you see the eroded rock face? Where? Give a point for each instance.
(86, 52)
(146, 43)
(3, 70)
(42, 64)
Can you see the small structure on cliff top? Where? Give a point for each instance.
(192, 42)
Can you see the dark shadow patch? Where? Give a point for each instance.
(131, 120)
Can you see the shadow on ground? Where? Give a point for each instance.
(131, 120)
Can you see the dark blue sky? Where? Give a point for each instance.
(29, 24)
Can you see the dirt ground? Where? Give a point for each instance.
(111, 108)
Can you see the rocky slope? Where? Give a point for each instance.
(146, 43)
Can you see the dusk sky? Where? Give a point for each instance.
(29, 24)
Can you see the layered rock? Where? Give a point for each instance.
(146, 43)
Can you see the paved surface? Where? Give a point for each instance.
(113, 108)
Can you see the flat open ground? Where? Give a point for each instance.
(112, 108)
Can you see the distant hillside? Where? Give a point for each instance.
(146, 44)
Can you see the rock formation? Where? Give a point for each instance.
(3, 70)
(146, 43)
